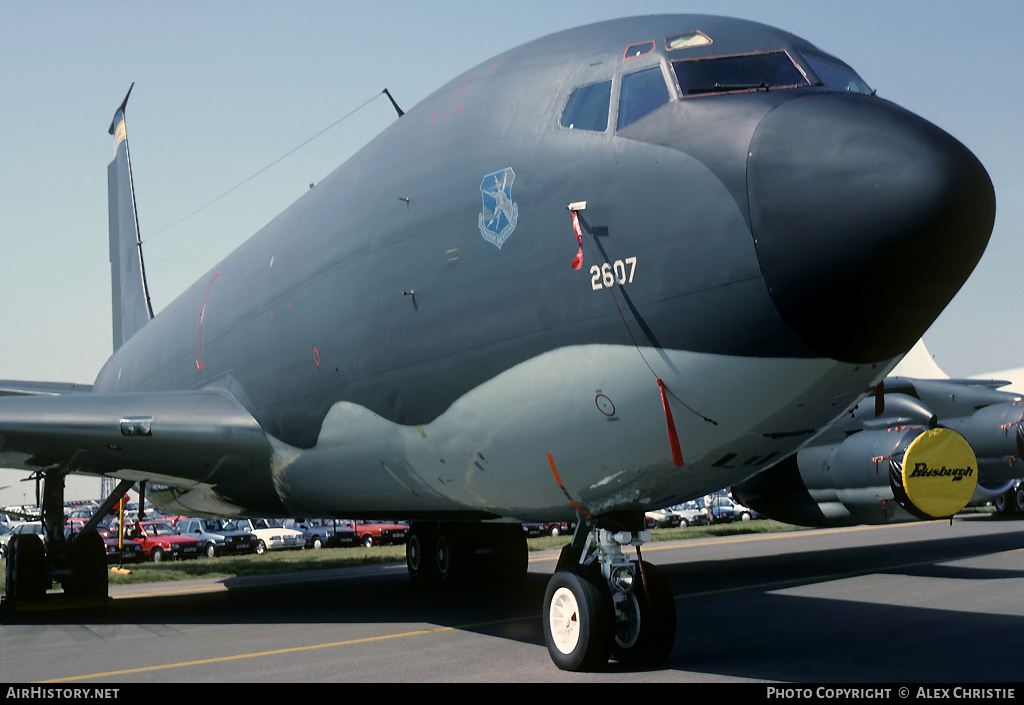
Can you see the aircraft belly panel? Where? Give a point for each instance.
(596, 410)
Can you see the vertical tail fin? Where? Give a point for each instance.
(130, 303)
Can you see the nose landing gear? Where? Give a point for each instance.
(601, 604)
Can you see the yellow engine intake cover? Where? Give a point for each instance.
(940, 472)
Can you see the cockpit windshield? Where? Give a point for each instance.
(835, 74)
(740, 72)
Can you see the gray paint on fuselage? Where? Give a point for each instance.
(387, 348)
(337, 285)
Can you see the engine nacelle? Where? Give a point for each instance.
(871, 477)
(996, 433)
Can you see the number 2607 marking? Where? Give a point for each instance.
(620, 271)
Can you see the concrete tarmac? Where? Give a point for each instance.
(934, 602)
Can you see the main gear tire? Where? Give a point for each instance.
(88, 578)
(27, 574)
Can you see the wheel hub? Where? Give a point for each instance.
(564, 619)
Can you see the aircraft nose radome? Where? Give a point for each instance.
(866, 220)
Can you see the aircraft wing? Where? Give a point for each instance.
(21, 388)
(185, 440)
(907, 385)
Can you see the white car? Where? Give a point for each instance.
(270, 536)
(666, 518)
(692, 513)
(29, 527)
(741, 513)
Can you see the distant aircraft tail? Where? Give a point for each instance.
(130, 303)
(918, 363)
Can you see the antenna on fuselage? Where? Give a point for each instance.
(393, 103)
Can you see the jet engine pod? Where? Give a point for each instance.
(996, 431)
(937, 475)
(876, 476)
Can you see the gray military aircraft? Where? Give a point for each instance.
(611, 270)
(871, 466)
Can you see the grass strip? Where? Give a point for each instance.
(327, 558)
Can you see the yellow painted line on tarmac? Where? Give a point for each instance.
(161, 593)
(278, 652)
(438, 630)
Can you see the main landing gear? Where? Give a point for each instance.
(78, 563)
(454, 553)
(601, 604)
(1012, 500)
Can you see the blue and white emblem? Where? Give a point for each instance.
(500, 213)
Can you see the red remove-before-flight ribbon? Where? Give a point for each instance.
(577, 261)
(673, 437)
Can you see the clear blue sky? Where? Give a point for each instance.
(224, 88)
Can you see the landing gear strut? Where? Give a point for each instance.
(78, 563)
(600, 604)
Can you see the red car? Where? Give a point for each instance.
(374, 532)
(160, 541)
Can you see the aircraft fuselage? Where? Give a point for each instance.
(411, 338)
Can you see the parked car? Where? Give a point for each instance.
(691, 513)
(128, 552)
(723, 510)
(666, 518)
(271, 535)
(161, 542)
(30, 527)
(546, 528)
(82, 511)
(374, 532)
(325, 533)
(558, 528)
(533, 529)
(741, 513)
(219, 537)
(5, 537)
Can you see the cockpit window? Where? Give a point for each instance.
(687, 40)
(835, 74)
(641, 93)
(638, 49)
(740, 72)
(587, 107)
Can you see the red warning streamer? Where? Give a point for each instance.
(577, 261)
(673, 437)
(558, 479)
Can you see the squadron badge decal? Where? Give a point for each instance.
(500, 213)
